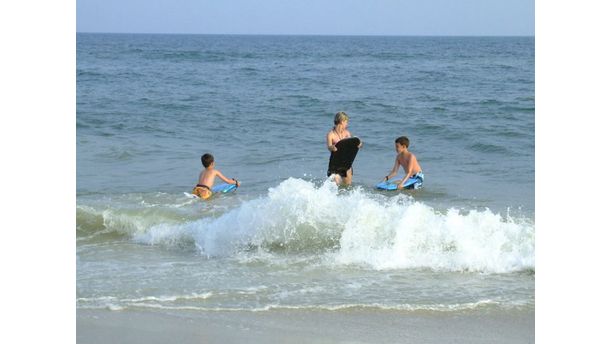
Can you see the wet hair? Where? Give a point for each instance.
(403, 140)
(340, 117)
(207, 159)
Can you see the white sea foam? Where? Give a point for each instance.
(358, 227)
(416, 236)
(114, 303)
(309, 307)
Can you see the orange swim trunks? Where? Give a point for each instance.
(202, 191)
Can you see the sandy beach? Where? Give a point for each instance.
(288, 326)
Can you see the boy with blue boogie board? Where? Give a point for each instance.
(205, 189)
(414, 175)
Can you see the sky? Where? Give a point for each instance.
(310, 17)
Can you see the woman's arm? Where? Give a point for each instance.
(360, 141)
(330, 146)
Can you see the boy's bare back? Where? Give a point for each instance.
(207, 177)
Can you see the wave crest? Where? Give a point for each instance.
(351, 227)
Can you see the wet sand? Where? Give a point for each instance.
(305, 326)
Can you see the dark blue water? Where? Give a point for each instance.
(149, 105)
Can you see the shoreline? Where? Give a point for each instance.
(304, 326)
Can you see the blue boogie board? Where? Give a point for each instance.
(414, 182)
(223, 188)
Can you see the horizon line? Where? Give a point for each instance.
(299, 34)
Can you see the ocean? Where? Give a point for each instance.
(148, 106)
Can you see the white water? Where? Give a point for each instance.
(303, 244)
(356, 227)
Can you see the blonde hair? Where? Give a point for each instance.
(340, 117)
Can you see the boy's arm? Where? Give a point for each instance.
(229, 181)
(330, 145)
(393, 170)
(408, 174)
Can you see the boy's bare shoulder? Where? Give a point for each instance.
(209, 172)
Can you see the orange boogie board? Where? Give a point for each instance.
(341, 160)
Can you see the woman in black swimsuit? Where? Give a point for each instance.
(339, 132)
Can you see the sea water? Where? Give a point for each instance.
(148, 106)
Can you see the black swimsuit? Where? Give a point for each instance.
(203, 186)
(341, 172)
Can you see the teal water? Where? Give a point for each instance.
(149, 105)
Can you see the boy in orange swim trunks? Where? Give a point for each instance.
(207, 178)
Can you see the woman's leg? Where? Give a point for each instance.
(349, 177)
